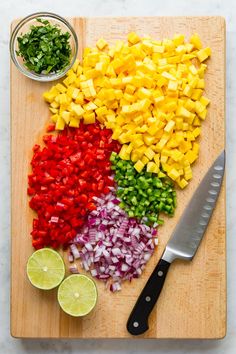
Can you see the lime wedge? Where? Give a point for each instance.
(77, 295)
(45, 269)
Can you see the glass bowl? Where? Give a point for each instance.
(24, 26)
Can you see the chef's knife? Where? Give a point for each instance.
(183, 243)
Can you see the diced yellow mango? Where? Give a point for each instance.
(169, 126)
(202, 115)
(75, 93)
(149, 153)
(66, 116)
(49, 97)
(203, 54)
(182, 183)
(148, 139)
(80, 98)
(124, 155)
(140, 150)
(195, 40)
(152, 167)
(144, 160)
(188, 173)
(168, 76)
(101, 111)
(75, 65)
(164, 159)
(53, 110)
(189, 47)
(149, 92)
(60, 124)
(139, 166)
(191, 156)
(183, 112)
(133, 38)
(138, 142)
(60, 88)
(162, 143)
(193, 69)
(101, 44)
(188, 90)
(134, 156)
(177, 155)
(89, 118)
(161, 174)
(54, 118)
(196, 122)
(152, 130)
(200, 84)
(157, 160)
(124, 138)
(74, 123)
(196, 132)
(77, 109)
(204, 101)
(196, 94)
(196, 147)
(172, 85)
(189, 105)
(173, 174)
(178, 39)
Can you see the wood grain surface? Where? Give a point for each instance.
(193, 301)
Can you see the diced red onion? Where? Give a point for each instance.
(70, 258)
(73, 269)
(94, 272)
(89, 246)
(54, 219)
(146, 256)
(115, 287)
(112, 246)
(115, 201)
(75, 251)
(124, 267)
(116, 251)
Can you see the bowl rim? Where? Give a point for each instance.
(21, 68)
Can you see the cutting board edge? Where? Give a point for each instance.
(14, 332)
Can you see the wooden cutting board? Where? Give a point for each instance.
(193, 301)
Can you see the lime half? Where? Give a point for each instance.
(45, 269)
(77, 295)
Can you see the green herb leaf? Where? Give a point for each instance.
(44, 48)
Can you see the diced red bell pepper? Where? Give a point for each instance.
(67, 173)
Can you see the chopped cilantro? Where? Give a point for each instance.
(45, 48)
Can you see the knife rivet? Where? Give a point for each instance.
(135, 324)
(212, 192)
(215, 184)
(217, 176)
(207, 207)
(210, 200)
(147, 298)
(218, 168)
(160, 273)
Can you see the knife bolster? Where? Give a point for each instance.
(169, 255)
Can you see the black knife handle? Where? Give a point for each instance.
(138, 319)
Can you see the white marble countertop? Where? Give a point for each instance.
(9, 9)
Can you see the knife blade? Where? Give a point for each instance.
(183, 243)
